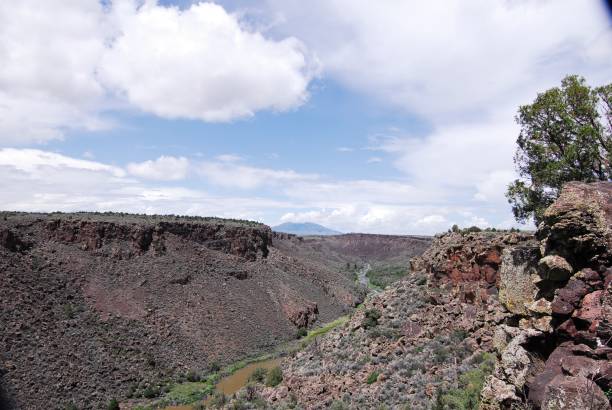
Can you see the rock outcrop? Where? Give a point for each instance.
(539, 305)
(562, 344)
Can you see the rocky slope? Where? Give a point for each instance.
(336, 250)
(97, 306)
(500, 321)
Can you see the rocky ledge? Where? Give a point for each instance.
(489, 320)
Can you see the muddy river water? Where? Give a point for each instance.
(229, 385)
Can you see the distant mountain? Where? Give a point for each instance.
(304, 228)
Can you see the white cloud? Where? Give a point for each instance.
(34, 180)
(63, 63)
(164, 168)
(448, 60)
(228, 158)
(201, 63)
(431, 220)
(49, 52)
(465, 68)
(37, 162)
(373, 160)
(232, 175)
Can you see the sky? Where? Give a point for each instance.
(389, 117)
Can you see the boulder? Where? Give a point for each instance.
(591, 310)
(541, 306)
(574, 392)
(569, 297)
(577, 225)
(554, 268)
(517, 289)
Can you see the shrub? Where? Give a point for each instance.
(71, 406)
(338, 405)
(193, 376)
(371, 318)
(275, 377)
(372, 377)
(112, 405)
(467, 396)
(459, 335)
(302, 332)
(218, 399)
(214, 367)
(151, 392)
(258, 375)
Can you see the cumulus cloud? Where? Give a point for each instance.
(35, 180)
(464, 68)
(451, 59)
(49, 52)
(164, 168)
(201, 63)
(64, 63)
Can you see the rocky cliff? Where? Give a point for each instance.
(101, 306)
(556, 351)
(496, 321)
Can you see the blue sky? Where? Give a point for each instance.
(386, 117)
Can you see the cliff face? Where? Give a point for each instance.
(531, 311)
(99, 306)
(557, 352)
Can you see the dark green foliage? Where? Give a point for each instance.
(214, 367)
(112, 405)
(381, 277)
(566, 135)
(371, 318)
(71, 406)
(193, 376)
(151, 392)
(275, 377)
(302, 332)
(259, 375)
(458, 336)
(372, 377)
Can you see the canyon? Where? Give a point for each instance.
(484, 320)
(101, 306)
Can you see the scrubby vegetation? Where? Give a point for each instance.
(372, 377)
(467, 395)
(473, 229)
(259, 375)
(381, 277)
(113, 404)
(370, 319)
(274, 377)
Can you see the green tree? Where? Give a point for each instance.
(566, 135)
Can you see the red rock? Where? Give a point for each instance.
(492, 256)
(591, 309)
(590, 277)
(568, 328)
(572, 292)
(490, 274)
(561, 308)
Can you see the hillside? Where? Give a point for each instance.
(485, 320)
(96, 306)
(304, 229)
